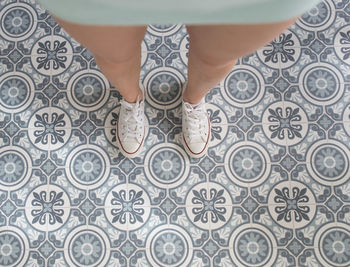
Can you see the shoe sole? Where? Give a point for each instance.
(138, 151)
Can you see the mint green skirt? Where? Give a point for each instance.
(140, 12)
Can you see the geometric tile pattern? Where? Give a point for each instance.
(273, 189)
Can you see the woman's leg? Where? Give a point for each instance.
(117, 51)
(214, 50)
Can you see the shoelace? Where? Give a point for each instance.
(133, 119)
(196, 120)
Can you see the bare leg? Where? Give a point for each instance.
(117, 51)
(214, 50)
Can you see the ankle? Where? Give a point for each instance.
(133, 98)
(190, 99)
(193, 100)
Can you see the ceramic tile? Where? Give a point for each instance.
(272, 190)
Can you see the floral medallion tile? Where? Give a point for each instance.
(160, 36)
(21, 26)
(272, 190)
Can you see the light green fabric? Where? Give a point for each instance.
(137, 12)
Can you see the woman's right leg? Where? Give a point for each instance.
(117, 51)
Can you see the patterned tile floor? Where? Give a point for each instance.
(273, 190)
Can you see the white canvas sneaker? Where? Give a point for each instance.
(195, 128)
(132, 128)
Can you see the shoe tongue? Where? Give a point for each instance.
(133, 130)
(195, 106)
(133, 123)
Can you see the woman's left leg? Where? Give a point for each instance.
(214, 50)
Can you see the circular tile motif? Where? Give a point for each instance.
(244, 87)
(347, 127)
(332, 242)
(127, 207)
(164, 89)
(87, 166)
(14, 247)
(208, 205)
(285, 122)
(169, 247)
(329, 162)
(318, 18)
(49, 128)
(321, 85)
(291, 203)
(166, 166)
(87, 247)
(346, 119)
(163, 29)
(247, 163)
(283, 49)
(16, 94)
(52, 56)
(15, 167)
(342, 43)
(47, 207)
(17, 22)
(88, 91)
(253, 245)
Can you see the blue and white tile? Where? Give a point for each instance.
(273, 189)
